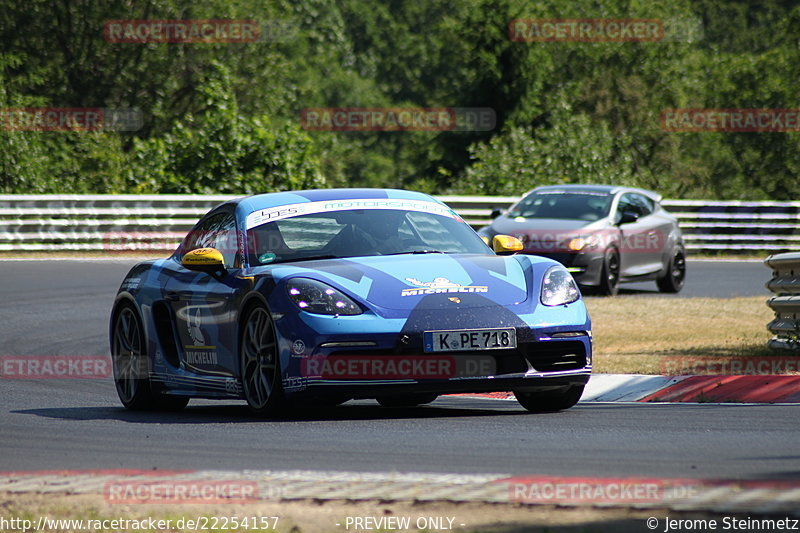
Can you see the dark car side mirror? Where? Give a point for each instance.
(627, 217)
(496, 212)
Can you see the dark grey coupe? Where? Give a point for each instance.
(604, 235)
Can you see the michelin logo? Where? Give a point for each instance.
(440, 285)
(194, 330)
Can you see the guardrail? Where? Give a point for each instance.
(158, 222)
(785, 283)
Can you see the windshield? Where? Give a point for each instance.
(578, 205)
(360, 232)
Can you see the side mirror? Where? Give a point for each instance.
(207, 260)
(628, 217)
(496, 212)
(506, 244)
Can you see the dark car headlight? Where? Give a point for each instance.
(320, 298)
(558, 287)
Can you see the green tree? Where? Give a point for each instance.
(220, 150)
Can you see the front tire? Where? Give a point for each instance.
(675, 277)
(549, 402)
(609, 276)
(132, 367)
(260, 365)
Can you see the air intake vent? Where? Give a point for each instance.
(554, 356)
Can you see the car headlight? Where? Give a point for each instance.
(320, 298)
(558, 287)
(579, 243)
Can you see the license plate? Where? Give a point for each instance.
(461, 340)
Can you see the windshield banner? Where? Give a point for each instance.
(262, 216)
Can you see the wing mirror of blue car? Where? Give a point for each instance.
(506, 244)
(208, 260)
(496, 212)
(628, 217)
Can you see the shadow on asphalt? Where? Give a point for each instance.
(228, 413)
(237, 412)
(628, 291)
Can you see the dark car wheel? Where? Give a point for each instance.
(675, 276)
(609, 277)
(408, 400)
(258, 353)
(131, 366)
(548, 402)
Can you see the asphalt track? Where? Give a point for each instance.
(71, 425)
(61, 308)
(713, 279)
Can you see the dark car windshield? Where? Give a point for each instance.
(360, 232)
(574, 205)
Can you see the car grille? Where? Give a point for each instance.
(553, 356)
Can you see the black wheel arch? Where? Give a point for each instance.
(125, 299)
(250, 300)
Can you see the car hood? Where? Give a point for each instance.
(404, 282)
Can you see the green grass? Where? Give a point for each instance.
(637, 335)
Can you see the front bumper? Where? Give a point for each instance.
(585, 267)
(524, 383)
(369, 355)
(539, 363)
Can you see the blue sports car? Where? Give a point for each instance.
(319, 297)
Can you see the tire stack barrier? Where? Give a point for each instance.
(785, 284)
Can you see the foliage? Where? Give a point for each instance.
(221, 150)
(225, 117)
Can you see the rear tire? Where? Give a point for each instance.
(260, 365)
(675, 277)
(408, 400)
(132, 366)
(609, 276)
(549, 402)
